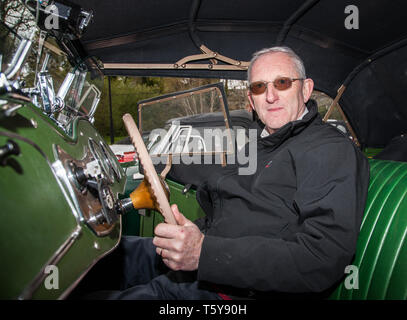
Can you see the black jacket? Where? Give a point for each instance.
(292, 226)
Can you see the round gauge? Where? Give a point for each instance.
(103, 161)
(112, 160)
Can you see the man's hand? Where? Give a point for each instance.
(179, 245)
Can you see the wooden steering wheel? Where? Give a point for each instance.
(150, 175)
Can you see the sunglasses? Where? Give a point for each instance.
(281, 84)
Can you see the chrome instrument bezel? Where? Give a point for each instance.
(104, 163)
(112, 161)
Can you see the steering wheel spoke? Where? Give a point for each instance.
(149, 171)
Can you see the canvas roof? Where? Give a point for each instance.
(165, 31)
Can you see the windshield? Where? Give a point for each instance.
(160, 112)
(194, 121)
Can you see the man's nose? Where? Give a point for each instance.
(271, 93)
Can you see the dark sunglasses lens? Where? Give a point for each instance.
(282, 83)
(258, 87)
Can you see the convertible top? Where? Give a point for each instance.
(370, 60)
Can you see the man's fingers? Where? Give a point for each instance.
(163, 243)
(159, 250)
(179, 217)
(179, 245)
(165, 230)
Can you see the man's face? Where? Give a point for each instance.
(276, 108)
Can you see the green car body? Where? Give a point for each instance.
(38, 212)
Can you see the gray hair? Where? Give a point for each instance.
(299, 64)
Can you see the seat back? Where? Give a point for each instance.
(381, 255)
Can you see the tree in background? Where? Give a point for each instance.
(128, 91)
(15, 19)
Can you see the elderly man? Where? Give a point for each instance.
(289, 228)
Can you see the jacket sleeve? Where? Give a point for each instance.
(332, 183)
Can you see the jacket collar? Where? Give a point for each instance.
(290, 129)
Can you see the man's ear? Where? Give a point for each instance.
(249, 96)
(307, 88)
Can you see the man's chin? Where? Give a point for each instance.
(272, 127)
